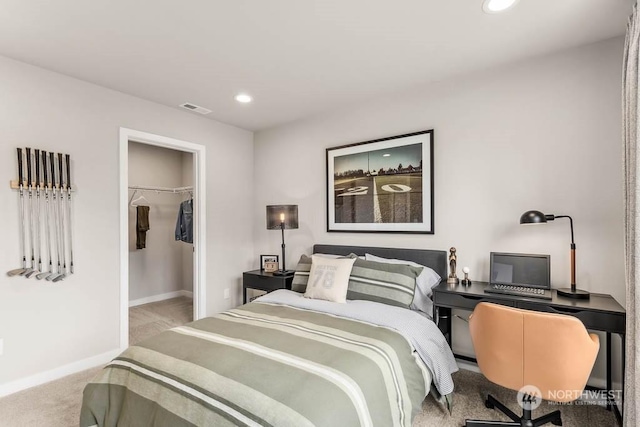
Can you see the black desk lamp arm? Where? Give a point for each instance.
(573, 243)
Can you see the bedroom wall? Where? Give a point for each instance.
(539, 134)
(50, 329)
(159, 268)
(186, 248)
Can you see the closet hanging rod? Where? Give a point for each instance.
(161, 189)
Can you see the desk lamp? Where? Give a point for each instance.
(537, 217)
(281, 217)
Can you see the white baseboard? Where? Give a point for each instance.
(161, 297)
(54, 374)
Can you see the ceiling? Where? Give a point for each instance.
(296, 57)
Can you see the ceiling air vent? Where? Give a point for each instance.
(195, 108)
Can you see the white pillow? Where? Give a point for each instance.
(424, 283)
(329, 278)
(330, 256)
(335, 256)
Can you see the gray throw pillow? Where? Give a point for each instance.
(301, 277)
(392, 284)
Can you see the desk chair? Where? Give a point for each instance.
(517, 348)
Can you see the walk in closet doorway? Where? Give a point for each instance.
(162, 235)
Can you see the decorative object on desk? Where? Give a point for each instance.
(267, 258)
(453, 260)
(537, 217)
(466, 281)
(281, 217)
(384, 185)
(271, 267)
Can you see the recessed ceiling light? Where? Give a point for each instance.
(496, 6)
(243, 98)
(386, 155)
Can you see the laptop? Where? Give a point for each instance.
(527, 275)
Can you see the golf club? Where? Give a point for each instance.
(47, 231)
(23, 270)
(32, 269)
(68, 158)
(52, 165)
(61, 215)
(37, 211)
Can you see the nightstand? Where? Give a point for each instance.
(261, 280)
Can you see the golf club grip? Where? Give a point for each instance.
(37, 151)
(52, 160)
(20, 174)
(60, 169)
(28, 167)
(44, 169)
(68, 158)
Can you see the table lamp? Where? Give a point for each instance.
(537, 217)
(280, 217)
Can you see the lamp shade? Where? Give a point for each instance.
(534, 217)
(275, 215)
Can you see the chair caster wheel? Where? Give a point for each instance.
(488, 404)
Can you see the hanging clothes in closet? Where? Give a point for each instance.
(142, 226)
(184, 224)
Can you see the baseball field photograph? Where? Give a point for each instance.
(382, 185)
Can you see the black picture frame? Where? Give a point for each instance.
(368, 193)
(266, 258)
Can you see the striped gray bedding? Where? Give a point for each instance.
(263, 364)
(423, 334)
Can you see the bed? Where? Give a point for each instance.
(282, 360)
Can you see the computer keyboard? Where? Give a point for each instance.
(521, 291)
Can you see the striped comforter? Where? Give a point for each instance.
(262, 364)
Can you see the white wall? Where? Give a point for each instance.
(541, 134)
(186, 248)
(158, 268)
(46, 326)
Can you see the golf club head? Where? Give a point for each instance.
(42, 275)
(16, 272)
(26, 271)
(31, 273)
(59, 278)
(52, 276)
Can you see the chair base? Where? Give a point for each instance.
(523, 421)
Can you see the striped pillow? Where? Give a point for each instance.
(301, 277)
(392, 284)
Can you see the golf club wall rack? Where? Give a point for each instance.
(16, 186)
(44, 200)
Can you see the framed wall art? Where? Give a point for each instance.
(264, 259)
(384, 185)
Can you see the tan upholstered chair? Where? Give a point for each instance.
(517, 348)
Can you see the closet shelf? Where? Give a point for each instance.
(161, 189)
(143, 188)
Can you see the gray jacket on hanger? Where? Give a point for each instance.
(184, 224)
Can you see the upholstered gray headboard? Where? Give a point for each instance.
(436, 260)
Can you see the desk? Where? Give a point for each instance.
(600, 313)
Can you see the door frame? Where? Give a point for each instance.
(199, 221)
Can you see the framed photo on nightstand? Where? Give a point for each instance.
(264, 259)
